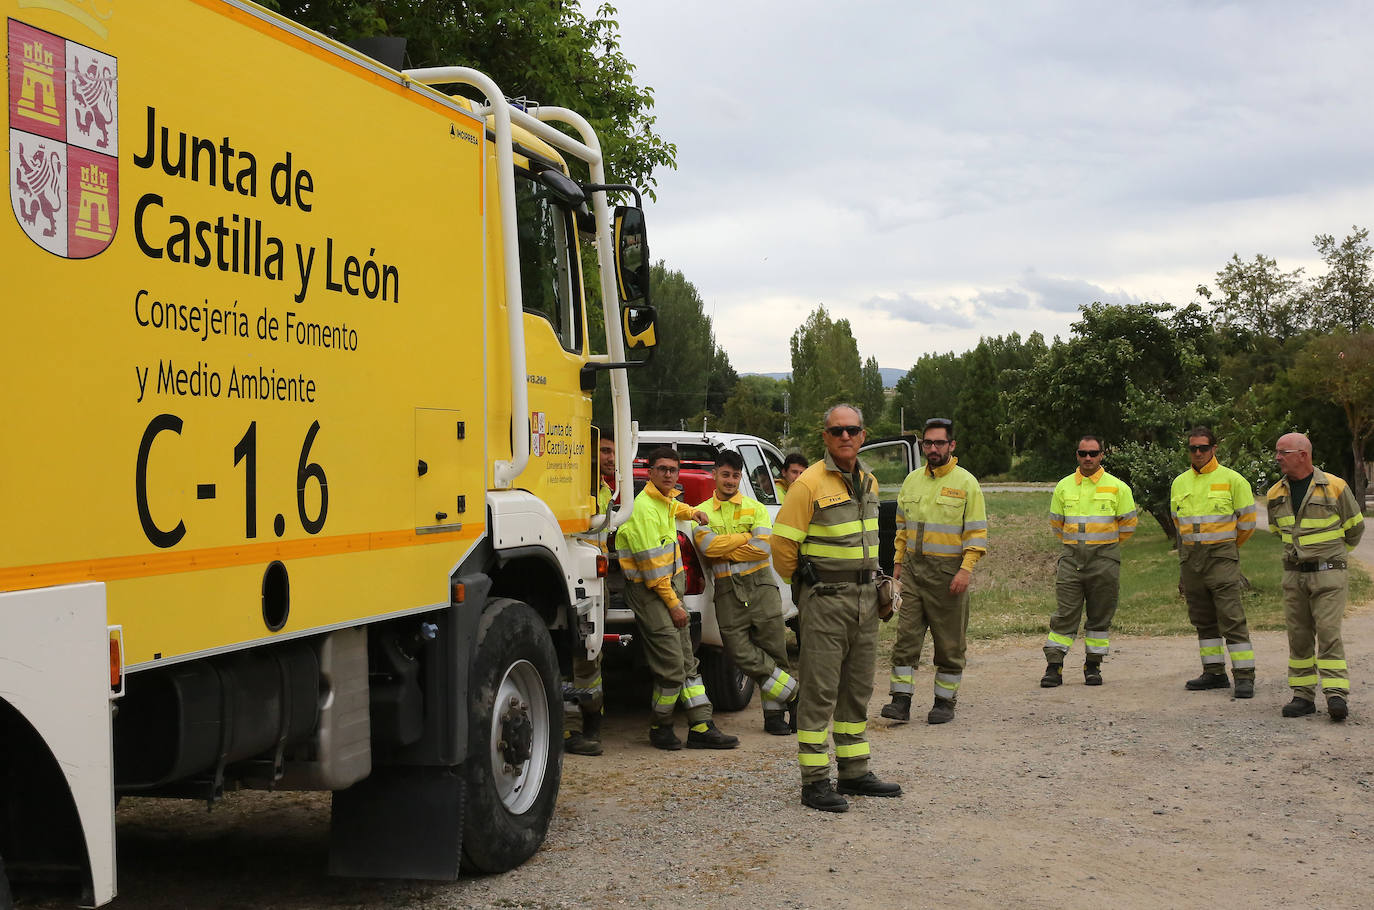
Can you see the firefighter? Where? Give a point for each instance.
(748, 607)
(584, 698)
(1092, 513)
(825, 543)
(1214, 511)
(942, 532)
(1319, 522)
(652, 563)
(792, 467)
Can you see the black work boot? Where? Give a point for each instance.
(663, 737)
(1208, 680)
(869, 785)
(1245, 687)
(942, 712)
(899, 709)
(1337, 707)
(710, 738)
(1054, 676)
(1092, 674)
(820, 795)
(588, 741)
(775, 722)
(1299, 707)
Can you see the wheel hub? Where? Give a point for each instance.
(517, 734)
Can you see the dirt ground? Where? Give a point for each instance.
(1136, 794)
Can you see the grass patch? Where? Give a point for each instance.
(1013, 587)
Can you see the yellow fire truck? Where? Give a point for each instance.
(298, 465)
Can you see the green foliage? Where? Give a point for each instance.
(873, 399)
(677, 384)
(1339, 368)
(929, 389)
(1345, 294)
(755, 406)
(548, 51)
(825, 371)
(1258, 297)
(979, 417)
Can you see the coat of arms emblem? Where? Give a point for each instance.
(64, 138)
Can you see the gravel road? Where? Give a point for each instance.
(1137, 795)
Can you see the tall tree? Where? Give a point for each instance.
(755, 406)
(825, 371)
(1346, 291)
(674, 386)
(1340, 368)
(978, 416)
(548, 51)
(873, 397)
(929, 389)
(1260, 298)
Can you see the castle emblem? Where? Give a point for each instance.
(64, 138)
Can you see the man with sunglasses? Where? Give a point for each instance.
(1214, 511)
(825, 544)
(942, 532)
(651, 561)
(1092, 513)
(1319, 521)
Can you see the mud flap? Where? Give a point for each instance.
(403, 821)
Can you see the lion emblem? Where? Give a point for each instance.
(39, 177)
(93, 93)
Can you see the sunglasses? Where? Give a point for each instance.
(837, 432)
(1199, 448)
(1089, 453)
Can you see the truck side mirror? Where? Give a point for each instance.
(631, 255)
(639, 323)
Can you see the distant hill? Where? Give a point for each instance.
(890, 375)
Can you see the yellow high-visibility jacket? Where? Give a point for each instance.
(647, 543)
(1326, 525)
(1213, 507)
(940, 513)
(825, 520)
(737, 540)
(1094, 511)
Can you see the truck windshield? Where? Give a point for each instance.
(550, 280)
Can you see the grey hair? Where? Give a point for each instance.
(835, 407)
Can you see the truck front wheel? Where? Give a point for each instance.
(515, 737)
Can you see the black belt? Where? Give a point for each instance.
(865, 576)
(1312, 566)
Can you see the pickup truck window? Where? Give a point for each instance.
(759, 477)
(890, 463)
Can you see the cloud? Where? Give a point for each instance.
(950, 313)
(1065, 295)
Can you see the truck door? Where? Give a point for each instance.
(890, 460)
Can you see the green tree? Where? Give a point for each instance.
(1346, 292)
(978, 416)
(755, 407)
(1138, 376)
(929, 389)
(825, 371)
(1340, 368)
(548, 51)
(675, 386)
(873, 399)
(1259, 298)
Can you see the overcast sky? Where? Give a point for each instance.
(935, 172)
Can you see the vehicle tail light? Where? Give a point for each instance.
(603, 566)
(116, 660)
(696, 582)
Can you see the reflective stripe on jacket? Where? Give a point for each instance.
(825, 522)
(1212, 506)
(737, 539)
(1093, 510)
(940, 513)
(647, 543)
(1330, 524)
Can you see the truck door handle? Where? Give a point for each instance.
(422, 468)
(440, 516)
